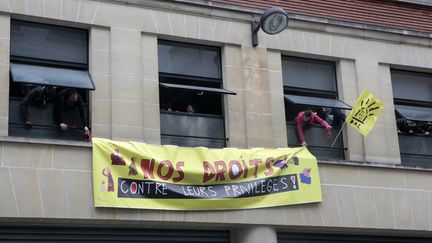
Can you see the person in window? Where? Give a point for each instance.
(333, 116)
(166, 107)
(427, 127)
(306, 119)
(38, 95)
(190, 109)
(410, 127)
(68, 109)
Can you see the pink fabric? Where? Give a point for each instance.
(314, 120)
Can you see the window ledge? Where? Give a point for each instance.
(330, 162)
(45, 141)
(374, 164)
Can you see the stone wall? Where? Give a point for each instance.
(47, 181)
(53, 183)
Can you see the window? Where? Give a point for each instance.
(311, 84)
(412, 93)
(191, 95)
(49, 60)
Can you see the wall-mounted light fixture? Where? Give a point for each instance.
(273, 21)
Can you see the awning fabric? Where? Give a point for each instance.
(197, 88)
(320, 102)
(54, 76)
(415, 113)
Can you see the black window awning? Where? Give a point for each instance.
(415, 113)
(197, 88)
(319, 102)
(33, 74)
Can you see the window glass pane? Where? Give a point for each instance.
(191, 60)
(415, 145)
(319, 144)
(197, 88)
(411, 85)
(43, 122)
(48, 42)
(51, 76)
(318, 102)
(415, 113)
(309, 74)
(192, 142)
(191, 125)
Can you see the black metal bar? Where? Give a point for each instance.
(179, 113)
(254, 28)
(186, 136)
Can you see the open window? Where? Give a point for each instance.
(311, 84)
(412, 93)
(191, 95)
(46, 61)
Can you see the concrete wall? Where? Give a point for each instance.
(52, 183)
(123, 53)
(48, 182)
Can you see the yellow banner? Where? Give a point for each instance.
(365, 113)
(137, 175)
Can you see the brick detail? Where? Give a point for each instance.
(383, 13)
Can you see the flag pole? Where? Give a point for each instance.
(334, 141)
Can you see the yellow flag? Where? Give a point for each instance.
(365, 113)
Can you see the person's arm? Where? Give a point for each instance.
(320, 121)
(57, 111)
(28, 99)
(83, 115)
(58, 108)
(419, 129)
(299, 121)
(402, 125)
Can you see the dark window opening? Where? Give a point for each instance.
(56, 233)
(311, 84)
(294, 237)
(412, 93)
(46, 62)
(177, 100)
(191, 95)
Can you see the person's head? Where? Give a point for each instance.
(325, 109)
(71, 97)
(190, 109)
(51, 93)
(307, 115)
(411, 123)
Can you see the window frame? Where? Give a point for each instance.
(410, 156)
(50, 130)
(194, 81)
(313, 93)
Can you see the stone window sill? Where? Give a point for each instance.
(373, 164)
(45, 141)
(329, 162)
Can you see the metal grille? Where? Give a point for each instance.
(92, 234)
(335, 238)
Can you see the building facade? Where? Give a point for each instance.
(148, 60)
